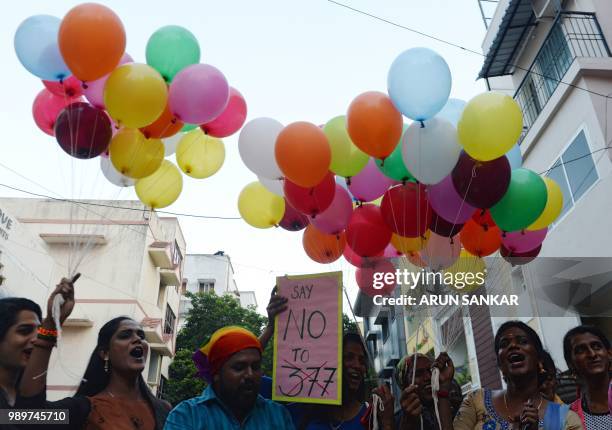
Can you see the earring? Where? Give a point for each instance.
(106, 365)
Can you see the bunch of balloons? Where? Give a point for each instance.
(98, 102)
(365, 185)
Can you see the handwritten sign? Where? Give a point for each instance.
(308, 340)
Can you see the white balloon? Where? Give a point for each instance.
(113, 176)
(256, 146)
(273, 185)
(430, 152)
(171, 142)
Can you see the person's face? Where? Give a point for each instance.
(128, 348)
(238, 381)
(422, 377)
(549, 386)
(517, 354)
(354, 362)
(16, 347)
(589, 356)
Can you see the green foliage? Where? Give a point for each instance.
(348, 325)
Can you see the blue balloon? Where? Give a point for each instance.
(452, 111)
(37, 48)
(342, 182)
(514, 157)
(419, 83)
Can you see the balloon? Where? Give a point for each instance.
(447, 203)
(368, 281)
(523, 203)
(135, 156)
(83, 131)
(441, 252)
(481, 184)
(405, 209)
(256, 146)
(293, 220)
(478, 240)
(370, 183)
(274, 185)
(554, 205)
(514, 157)
(92, 40)
(259, 207)
(523, 240)
(94, 90)
(188, 127)
(323, 248)
(45, 109)
(313, 200)
(112, 175)
(336, 217)
(442, 227)
(416, 259)
(391, 252)
(165, 125)
(170, 143)
(373, 124)
(452, 111)
(519, 258)
(199, 155)
(407, 245)
(303, 154)
(37, 49)
(170, 49)
(430, 152)
(467, 264)
(162, 188)
(69, 87)
(367, 234)
(490, 125)
(198, 94)
(357, 260)
(483, 218)
(393, 166)
(231, 119)
(419, 83)
(346, 159)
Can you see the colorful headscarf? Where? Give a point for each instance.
(224, 343)
(404, 368)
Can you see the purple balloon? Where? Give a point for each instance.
(481, 183)
(442, 227)
(523, 240)
(94, 91)
(198, 94)
(446, 202)
(293, 220)
(336, 217)
(370, 183)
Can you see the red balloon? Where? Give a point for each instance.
(70, 87)
(406, 210)
(519, 258)
(293, 220)
(45, 109)
(83, 131)
(481, 183)
(231, 119)
(357, 260)
(367, 234)
(442, 227)
(314, 200)
(323, 248)
(371, 278)
(483, 217)
(479, 240)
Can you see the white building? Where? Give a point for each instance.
(131, 263)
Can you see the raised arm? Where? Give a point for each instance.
(276, 306)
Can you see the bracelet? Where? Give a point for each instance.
(443, 394)
(47, 332)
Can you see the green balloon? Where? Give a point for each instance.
(523, 202)
(393, 167)
(189, 127)
(346, 159)
(170, 49)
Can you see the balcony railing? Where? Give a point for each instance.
(573, 34)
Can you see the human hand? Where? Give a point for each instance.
(384, 392)
(66, 289)
(276, 306)
(529, 416)
(410, 403)
(447, 369)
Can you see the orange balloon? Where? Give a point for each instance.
(374, 124)
(92, 40)
(303, 153)
(165, 126)
(479, 240)
(323, 248)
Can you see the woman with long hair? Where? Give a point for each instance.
(113, 393)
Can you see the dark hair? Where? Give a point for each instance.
(549, 363)
(531, 334)
(352, 337)
(10, 308)
(581, 329)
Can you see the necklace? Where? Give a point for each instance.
(511, 419)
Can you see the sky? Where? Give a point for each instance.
(292, 60)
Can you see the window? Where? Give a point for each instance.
(154, 361)
(177, 257)
(161, 386)
(385, 329)
(206, 286)
(170, 321)
(578, 173)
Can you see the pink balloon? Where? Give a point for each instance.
(336, 217)
(447, 203)
(198, 94)
(441, 252)
(94, 91)
(232, 118)
(370, 183)
(391, 252)
(358, 260)
(365, 277)
(46, 108)
(69, 87)
(523, 240)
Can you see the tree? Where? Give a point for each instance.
(349, 325)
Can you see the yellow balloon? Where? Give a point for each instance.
(468, 273)
(199, 155)
(490, 125)
(134, 155)
(347, 160)
(407, 245)
(554, 205)
(162, 188)
(260, 207)
(135, 95)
